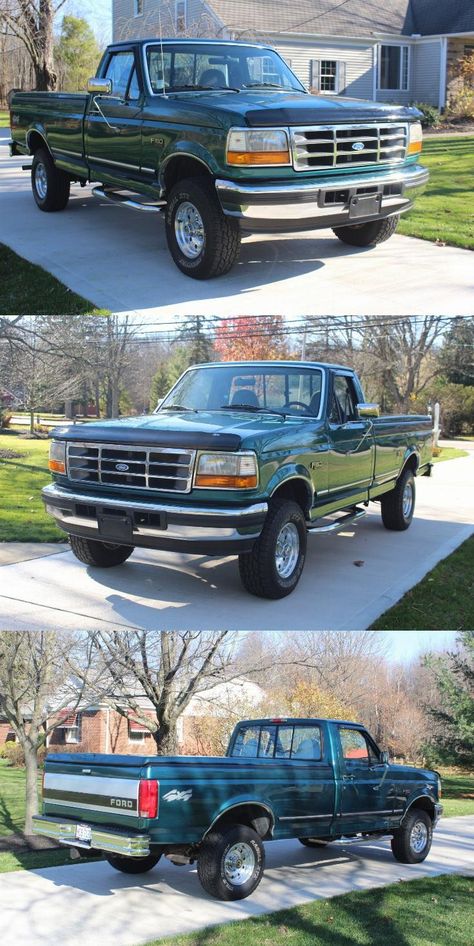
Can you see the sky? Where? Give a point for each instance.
(97, 12)
(406, 645)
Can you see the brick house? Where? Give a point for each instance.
(97, 727)
(397, 51)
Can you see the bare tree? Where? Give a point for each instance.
(32, 22)
(35, 668)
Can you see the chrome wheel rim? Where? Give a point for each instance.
(189, 230)
(41, 181)
(407, 501)
(287, 550)
(239, 864)
(418, 837)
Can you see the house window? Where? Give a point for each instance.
(393, 68)
(138, 8)
(69, 728)
(328, 75)
(180, 17)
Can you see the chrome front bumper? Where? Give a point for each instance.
(438, 813)
(323, 202)
(102, 838)
(195, 529)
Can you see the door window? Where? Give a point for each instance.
(344, 401)
(119, 71)
(133, 89)
(356, 748)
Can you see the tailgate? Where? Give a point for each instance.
(93, 788)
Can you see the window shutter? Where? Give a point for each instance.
(341, 78)
(315, 74)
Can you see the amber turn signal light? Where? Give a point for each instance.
(226, 482)
(258, 157)
(57, 466)
(415, 147)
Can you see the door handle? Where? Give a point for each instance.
(348, 778)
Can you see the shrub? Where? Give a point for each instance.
(14, 754)
(460, 106)
(430, 116)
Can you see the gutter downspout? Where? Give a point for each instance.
(443, 72)
(107, 731)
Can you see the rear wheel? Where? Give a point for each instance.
(411, 843)
(398, 506)
(133, 865)
(314, 842)
(101, 554)
(368, 234)
(274, 566)
(231, 862)
(50, 185)
(201, 239)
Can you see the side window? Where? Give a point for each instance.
(134, 89)
(356, 748)
(306, 743)
(344, 401)
(118, 70)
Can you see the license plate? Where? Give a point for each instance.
(83, 832)
(115, 528)
(365, 206)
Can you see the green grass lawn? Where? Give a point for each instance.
(450, 453)
(444, 211)
(436, 911)
(4, 119)
(443, 600)
(26, 289)
(458, 793)
(22, 515)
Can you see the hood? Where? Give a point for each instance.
(414, 774)
(200, 430)
(286, 108)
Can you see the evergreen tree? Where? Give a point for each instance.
(453, 740)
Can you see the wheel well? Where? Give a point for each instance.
(254, 816)
(412, 464)
(35, 142)
(182, 167)
(426, 804)
(298, 490)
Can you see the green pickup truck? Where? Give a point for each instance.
(240, 458)
(221, 137)
(318, 780)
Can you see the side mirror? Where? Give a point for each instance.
(368, 410)
(99, 86)
(384, 758)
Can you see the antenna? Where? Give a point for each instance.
(162, 55)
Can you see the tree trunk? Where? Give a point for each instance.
(166, 739)
(31, 764)
(46, 78)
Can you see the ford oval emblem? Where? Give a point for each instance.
(122, 467)
(358, 146)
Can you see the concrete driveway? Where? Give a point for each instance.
(119, 260)
(350, 577)
(92, 903)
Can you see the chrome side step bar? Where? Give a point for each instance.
(116, 197)
(337, 524)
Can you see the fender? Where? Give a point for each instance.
(238, 803)
(40, 130)
(409, 453)
(426, 796)
(187, 149)
(292, 471)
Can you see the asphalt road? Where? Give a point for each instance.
(350, 577)
(119, 260)
(92, 903)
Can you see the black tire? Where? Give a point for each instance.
(417, 825)
(221, 244)
(132, 865)
(368, 234)
(101, 554)
(215, 878)
(394, 511)
(314, 842)
(258, 569)
(50, 186)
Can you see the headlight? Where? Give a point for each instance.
(415, 138)
(227, 470)
(262, 147)
(57, 456)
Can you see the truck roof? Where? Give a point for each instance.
(184, 41)
(272, 363)
(304, 720)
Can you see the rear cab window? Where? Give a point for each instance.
(278, 741)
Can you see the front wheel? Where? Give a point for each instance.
(201, 239)
(133, 865)
(101, 554)
(231, 862)
(368, 234)
(411, 843)
(398, 506)
(50, 185)
(274, 566)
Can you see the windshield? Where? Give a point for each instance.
(237, 68)
(280, 389)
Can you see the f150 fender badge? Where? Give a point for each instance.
(174, 795)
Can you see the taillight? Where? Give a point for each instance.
(148, 798)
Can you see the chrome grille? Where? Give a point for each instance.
(109, 464)
(327, 146)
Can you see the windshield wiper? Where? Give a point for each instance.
(268, 85)
(178, 407)
(203, 88)
(252, 409)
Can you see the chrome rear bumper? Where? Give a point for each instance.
(102, 838)
(326, 201)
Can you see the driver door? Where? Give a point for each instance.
(113, 129)
(351, 444)
(366, 797)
